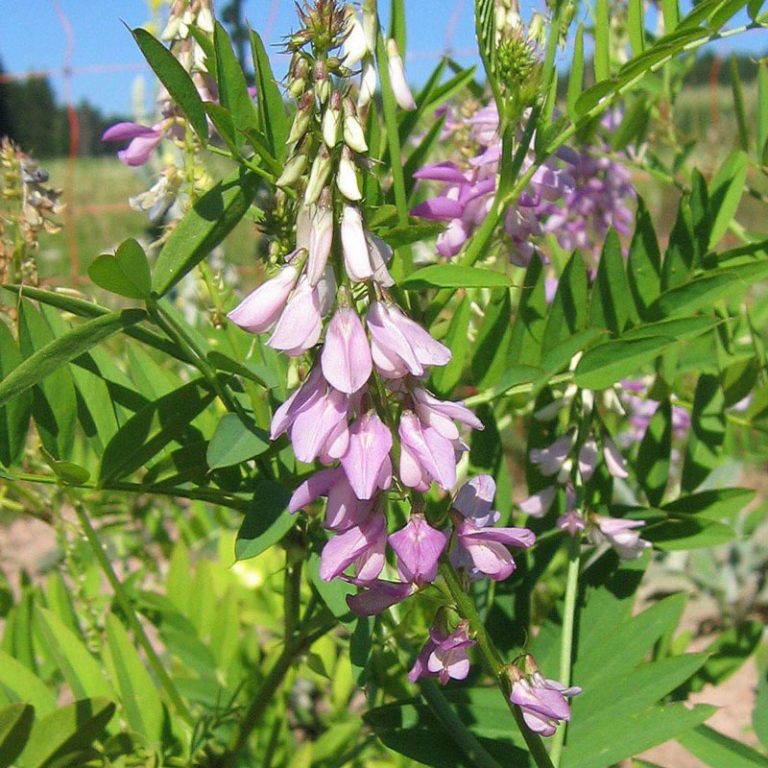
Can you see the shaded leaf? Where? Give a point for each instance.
(266, 521)
(235, 441)
(126, 272)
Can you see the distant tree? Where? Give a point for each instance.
(6, 124)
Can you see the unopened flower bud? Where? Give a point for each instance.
(302, 120)
(331, 121)
(367, 85)
(299, 73)
(346, 177)
(402, 92)
(205, 20)
(537, 30)
(292, 171)
(370, 24)
(354, 136)
(320, 239)
(321, 167)
(322, 83)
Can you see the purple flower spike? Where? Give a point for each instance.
(444, 655)
(543, 702)
(418, 547)
(260, 309)
(362, 545)
(346, 356)
(368, 456)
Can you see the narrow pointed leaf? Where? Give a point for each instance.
(176, 80)
(53, 356)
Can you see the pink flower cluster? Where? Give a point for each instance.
(468, 192)
(578, 202)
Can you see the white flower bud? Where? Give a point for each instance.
(321, 167)
(403, 95)
(346, 177)
(292, 171)
(368, 84)
(205, 20)
(370, 24)
(331, 121)
(354, 137)
(302, 119)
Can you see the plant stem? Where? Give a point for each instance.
(445, 713)
(130, 614)
(566, 641)
(493, 661)
(272, 682)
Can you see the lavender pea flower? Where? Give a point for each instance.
(621, 534)
(346, 356)
(143, 140)
(418, 547)
(444, 655)
(544, 703)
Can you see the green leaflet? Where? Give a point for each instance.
(454, 276)
(63, 736)
(235, 441)
(125, 273)
(151, 429)
(266, 521)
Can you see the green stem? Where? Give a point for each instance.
(130, 614)
(180, 336)
(566, 642)
(493, 661)
(389, 106)
(272, 682)
(445, 713)
(291, 592)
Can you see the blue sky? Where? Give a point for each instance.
(107, 64)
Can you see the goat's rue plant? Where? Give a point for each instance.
(457, 286)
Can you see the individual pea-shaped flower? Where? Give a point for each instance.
(261, 308)
(346, 356)
(300, 323)
(361, 546)
(366, 462)
(620, 533)
(143, 140)
(544, 703)
(444, 655)
(551, 459)
(418, 547)
(480, 547)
